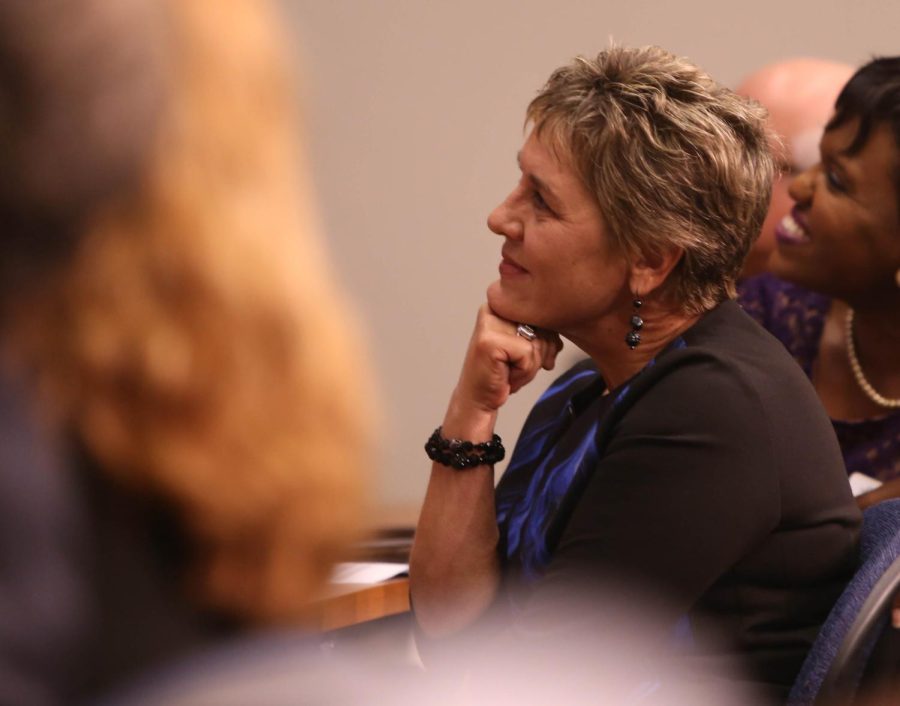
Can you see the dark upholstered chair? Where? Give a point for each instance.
(840, 655)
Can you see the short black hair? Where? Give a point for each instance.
(872, 96)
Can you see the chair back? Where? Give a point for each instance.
(839, 656)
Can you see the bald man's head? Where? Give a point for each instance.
(799, 95)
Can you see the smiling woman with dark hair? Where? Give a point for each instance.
(689, 456)
(836, 305)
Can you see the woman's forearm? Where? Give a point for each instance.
(453, 566)
(454, 571)
(891, 489)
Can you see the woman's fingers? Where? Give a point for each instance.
(502, 358)
(485, 382)
(552, 348)
(541, 353)
(545, 346)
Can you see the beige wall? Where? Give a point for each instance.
(415, 113)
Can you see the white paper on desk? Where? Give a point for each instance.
(861, 483)
(366, 571)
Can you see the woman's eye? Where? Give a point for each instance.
(539, 202)
(833, 180)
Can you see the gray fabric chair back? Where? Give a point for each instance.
(835, 664)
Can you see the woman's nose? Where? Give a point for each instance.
(504, 221)
(801, 187)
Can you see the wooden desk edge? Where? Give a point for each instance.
(349, 604)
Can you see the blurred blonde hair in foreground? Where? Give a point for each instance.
(194, 341)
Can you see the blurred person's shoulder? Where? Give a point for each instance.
(45, 611)
(769, 299)
(792, 314)
(286, 667)
(38, 491)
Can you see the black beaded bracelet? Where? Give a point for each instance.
(460, 454)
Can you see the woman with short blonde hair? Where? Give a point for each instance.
(688, 459)
(659, 145)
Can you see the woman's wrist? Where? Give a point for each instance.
(467, 420)
(462, 454)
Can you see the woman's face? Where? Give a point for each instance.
(843, 236)
(558, 270)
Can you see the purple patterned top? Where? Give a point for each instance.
(796, 317)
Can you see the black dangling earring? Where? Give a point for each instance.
(633, 337)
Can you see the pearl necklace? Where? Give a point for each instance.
(864, 384)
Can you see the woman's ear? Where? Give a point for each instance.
(650, 270)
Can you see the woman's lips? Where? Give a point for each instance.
(792, 229)
(509, 268)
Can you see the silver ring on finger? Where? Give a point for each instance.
(526, 332)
